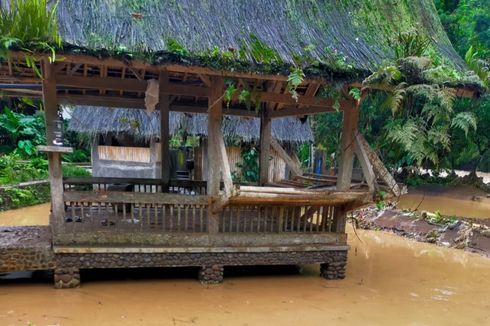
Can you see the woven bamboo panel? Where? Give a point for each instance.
(125, 154)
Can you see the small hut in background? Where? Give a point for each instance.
(126, 142)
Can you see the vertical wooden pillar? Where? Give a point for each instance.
(215, 116)
(50, 99)
(340, 219)
(56, 188)
(50, 103)
(349, 128)
(265, 144)
(164, 106)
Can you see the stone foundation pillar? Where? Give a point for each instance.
(211, 274)
(65, 278)
(335, 268)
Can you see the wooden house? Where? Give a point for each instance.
(126, 142)
(260, 59)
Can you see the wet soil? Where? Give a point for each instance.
(469, 234)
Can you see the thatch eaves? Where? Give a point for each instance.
(330, 38)
(140, 124)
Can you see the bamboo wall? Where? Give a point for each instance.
(125, 154)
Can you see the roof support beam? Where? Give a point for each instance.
(50, 102)
(215, 156)
(349, 129)
(129, 85)
(295, 168)
(265, 144)
(288, 112)
(164, 105)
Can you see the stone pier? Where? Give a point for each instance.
(30, 248)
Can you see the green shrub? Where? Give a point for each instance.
(74, 171)
(20, 197)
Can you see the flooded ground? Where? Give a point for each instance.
(461, 201)
(33, 215)
(390, 281)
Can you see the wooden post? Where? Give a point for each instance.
(164, 105)
(340, 219)
(265, 144)
(215, 115)
(50, 99)
(349, 128)
(50, 103)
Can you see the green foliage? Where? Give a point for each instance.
(11, 198)
(28, 21)
(355, 93)
(74, 171)
(304, 155)
(295, 78)
(333, 91)
(13, 170)
(31, 26)
(78, 155)
(173, 46)
(249, 167)
(464, 121)
(410, 43)
(24, 131)
(477, 65)
(229, 92)
(467, 23)
(262, 53)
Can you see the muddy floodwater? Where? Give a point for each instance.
(390, 281)
(33, 215)
(460, 201)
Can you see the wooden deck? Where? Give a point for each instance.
(139, 214)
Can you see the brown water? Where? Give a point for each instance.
(461, 201)
(390, 281)
(33, 215)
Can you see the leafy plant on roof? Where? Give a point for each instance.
(31, 26)
(295, 78)
(262, 53)
(173, 46)
(410, 43)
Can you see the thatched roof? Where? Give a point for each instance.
(345, 36)
(139, 123)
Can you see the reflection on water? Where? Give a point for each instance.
(459, 201)
(32, 215)
(390, 281)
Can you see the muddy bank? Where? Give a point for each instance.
(472, 235)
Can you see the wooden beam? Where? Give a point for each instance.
(163, 104)
(129, 85)
(265, 143)
(296, 169)
(349, 127)
(288, 99)
(378, 166)
(363, 158)
(225, 166)
(294, 111)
